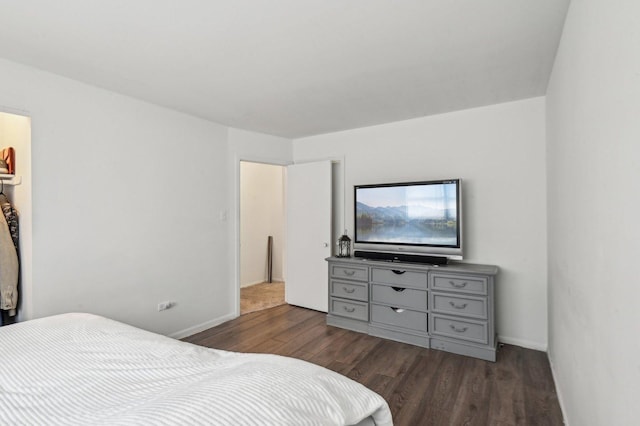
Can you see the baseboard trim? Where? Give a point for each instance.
(523, 343)
(251, 283)
(201, 327)
(565, 420)
(275, 280)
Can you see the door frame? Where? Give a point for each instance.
(336, 161)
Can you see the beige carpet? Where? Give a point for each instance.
(261, 296)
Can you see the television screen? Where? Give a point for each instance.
(417, 214)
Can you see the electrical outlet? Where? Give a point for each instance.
(163, 306)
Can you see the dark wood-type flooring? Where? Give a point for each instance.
(422, 386)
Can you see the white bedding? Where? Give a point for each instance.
(78, 369)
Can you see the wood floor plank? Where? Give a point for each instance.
(354, 350)
(338, 367)
(410, 397)
(303, 337)
(316, 340)
(471, 407)
(339, 348)
(506, 397)
(437, 408)
(422, 386)
(381, 384)
(539, 393)
(388, 358)
(243, 337)
(243, 322)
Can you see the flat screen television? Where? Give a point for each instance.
(411, 217)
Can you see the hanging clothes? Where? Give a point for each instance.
(9, 263)
(11, 216)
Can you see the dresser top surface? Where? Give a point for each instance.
(452, 267)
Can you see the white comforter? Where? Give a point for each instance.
(79, 369)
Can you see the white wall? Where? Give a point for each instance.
(593, 128)
(15, 131)
(261, 216)
(126, 198)
(499, 152)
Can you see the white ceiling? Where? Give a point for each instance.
(294, 67)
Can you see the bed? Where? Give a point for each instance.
(79, 369)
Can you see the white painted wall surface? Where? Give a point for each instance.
(261, 216)
(499, 152)
(126, 197)
(15, 131)
(593, 156)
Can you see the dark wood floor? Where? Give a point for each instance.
(422, 386)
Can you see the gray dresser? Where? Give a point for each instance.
(450, 307)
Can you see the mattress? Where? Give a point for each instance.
(79, 369)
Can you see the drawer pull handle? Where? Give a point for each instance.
(458, 330)
(458, 285)
(397, 272)
(397, 310)
(398, 289)
(348, 273)
(348, 290)
(349, 309)
(464, 305)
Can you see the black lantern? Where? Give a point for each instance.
(344, 245)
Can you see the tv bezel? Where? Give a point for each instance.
(450, 252)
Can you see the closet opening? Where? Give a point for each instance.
(16, 220)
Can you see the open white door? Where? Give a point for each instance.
(308, 234)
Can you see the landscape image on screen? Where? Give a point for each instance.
(411, 214)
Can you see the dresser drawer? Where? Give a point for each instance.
(472, 331)
(399, 277)
(404, 318)
(349, 290)
(349, 272)
(459, 283)
(469, 306)
(349, 308)
(399, 296)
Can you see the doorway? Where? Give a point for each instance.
(262, 230)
